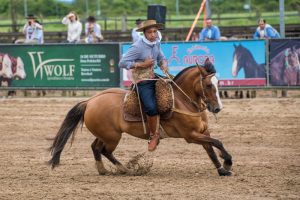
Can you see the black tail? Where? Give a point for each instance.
(68, 128)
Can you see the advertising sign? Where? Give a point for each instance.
(285, 62)
(60, 65)
(238, 63)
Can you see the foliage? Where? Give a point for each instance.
(115, 8)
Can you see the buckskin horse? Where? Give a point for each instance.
(102, 115)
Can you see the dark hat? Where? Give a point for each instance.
(138, 21)
(91, 19)
(148, 24)
(30, 16)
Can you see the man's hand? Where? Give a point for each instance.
(148, 62)
(164, 67)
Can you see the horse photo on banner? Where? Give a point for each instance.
(238, 63)
(285, 62)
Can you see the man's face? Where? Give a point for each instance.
(151, 34)
(30, 21)
(208, 23)
(262, 25)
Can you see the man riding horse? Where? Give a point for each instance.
(141, 58)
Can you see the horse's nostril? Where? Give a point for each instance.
(217, 110)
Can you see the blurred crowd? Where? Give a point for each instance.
(34, 31)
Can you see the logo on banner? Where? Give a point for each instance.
(53, 69)
(191, 59)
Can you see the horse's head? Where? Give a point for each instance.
(291, 58)
(20, 71)
(208, 91)
(240, 55)
(5, 67)
(200, 86)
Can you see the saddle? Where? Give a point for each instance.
(164, 97)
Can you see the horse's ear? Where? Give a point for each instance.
(199, 67)
(234, 46)
(207, 60)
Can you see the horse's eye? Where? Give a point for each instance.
(209, 86)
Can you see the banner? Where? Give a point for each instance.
(60, 65)
(285, 62)
(238, 63)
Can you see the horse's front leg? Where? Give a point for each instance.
(207, 142)
(212, 155)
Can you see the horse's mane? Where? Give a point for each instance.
(183, 71)
(246, 52)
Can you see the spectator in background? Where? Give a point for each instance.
(74, 27)
(33, 31)
(134, 34)
(265, 31)
(210, 32)
(194, 36)
(92, 31)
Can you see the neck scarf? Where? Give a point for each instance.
(149, 42)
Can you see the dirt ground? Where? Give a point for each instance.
(262, 135)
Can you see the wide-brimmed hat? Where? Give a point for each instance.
(30, 16)
(148, 24)
(91, 19)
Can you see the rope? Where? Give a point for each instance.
(140, 106)
(191, 100)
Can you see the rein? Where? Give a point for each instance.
(197, 114)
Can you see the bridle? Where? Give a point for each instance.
(193, 102)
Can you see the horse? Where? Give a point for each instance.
(5, 66)
(242, 58)
(285, 67)
(103, 117)
(11, 68)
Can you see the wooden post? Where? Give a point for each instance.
(195, 21)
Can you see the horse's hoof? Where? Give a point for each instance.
(224, 172)
(100, 168)
(122, 170)
(103, 172)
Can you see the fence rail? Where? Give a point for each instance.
(169, 34)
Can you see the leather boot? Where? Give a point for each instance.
(154, 133)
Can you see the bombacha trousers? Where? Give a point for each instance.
(146, 90)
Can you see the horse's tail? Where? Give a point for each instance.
(68, 128)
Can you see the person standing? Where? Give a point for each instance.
(265, 31)
(141, 58)
(210, 32)
(92, 31)
(135, 34)
(74, 27)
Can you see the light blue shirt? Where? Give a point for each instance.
(212, 33)
(269, 32)
(141, 50)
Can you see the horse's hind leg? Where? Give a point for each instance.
(109, 155)
(106, 148)
(97, 147)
